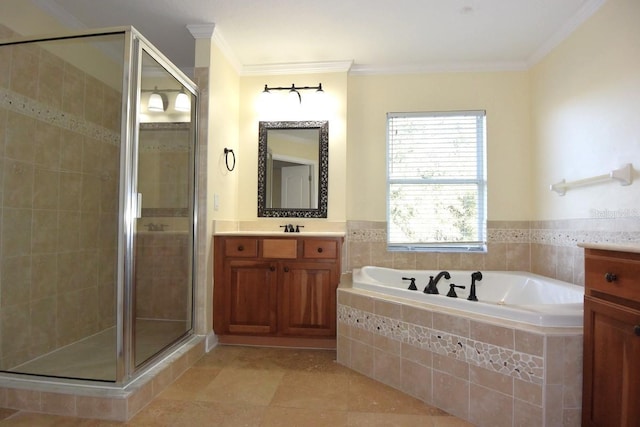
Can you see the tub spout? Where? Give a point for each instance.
(472, 292)
(432, 287)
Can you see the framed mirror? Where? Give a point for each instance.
(293, 169)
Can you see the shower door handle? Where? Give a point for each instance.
(138, 205)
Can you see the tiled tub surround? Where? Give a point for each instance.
(548, 248)
(487, 372)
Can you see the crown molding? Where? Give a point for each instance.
(201, 31)
(226, 50)
(443, 67)
(586, 11)
(297, 68)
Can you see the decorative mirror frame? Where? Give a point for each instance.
(323, 173)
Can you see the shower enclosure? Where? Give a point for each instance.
(97, 213)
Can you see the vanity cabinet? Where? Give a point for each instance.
(611, 376)
(276, 290)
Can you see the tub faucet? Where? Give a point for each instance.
(432, 287)
(412, 285)
(472, 292)
(452, 290)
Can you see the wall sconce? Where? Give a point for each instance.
(294, 91)
(159, 101)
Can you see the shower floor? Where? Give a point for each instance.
(94, 357)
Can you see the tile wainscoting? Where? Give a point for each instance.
(548, 248)
(486, 373)
(482, 370)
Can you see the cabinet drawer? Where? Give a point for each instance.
(280, 248)
(320, 249)
(619, 277)
(241, 247)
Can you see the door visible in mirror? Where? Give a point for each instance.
(294, 155)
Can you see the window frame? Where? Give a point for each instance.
(480, 180)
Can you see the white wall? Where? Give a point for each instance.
(586, 116)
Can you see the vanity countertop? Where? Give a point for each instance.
(618, 247)
(281, 233)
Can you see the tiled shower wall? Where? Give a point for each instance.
(548, 248)
(162, 274)
(59, 157)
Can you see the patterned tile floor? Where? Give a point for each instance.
(250, 386)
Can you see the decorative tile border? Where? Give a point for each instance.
(546, 236)
(37, 110)
(570, 238)
(527, 367)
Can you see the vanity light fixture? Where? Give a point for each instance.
(159, 100)
(294, 91)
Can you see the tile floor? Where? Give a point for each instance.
(250, 386)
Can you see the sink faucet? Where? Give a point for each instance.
(432, 286)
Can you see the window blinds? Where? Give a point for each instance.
(436, 181)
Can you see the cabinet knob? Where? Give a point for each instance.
(319, 250)
(240, 248)
(636, 330)
(286, 269)
(272, 268)
(610, 277)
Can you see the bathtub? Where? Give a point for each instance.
(515, 296)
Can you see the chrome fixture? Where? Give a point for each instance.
(294, 91)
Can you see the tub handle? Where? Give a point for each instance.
(610, 277)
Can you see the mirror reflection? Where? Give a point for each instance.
(293, 169)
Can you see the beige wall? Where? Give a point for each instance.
(504, 96)
(223, 132)
(585, 109)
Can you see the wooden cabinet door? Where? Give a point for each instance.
(611, 383)
(251, 297)
(308, 299)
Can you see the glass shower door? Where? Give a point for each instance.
(164, 229)
(60, 140)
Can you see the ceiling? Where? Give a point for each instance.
(372, 35)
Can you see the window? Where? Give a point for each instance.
(436, 181)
